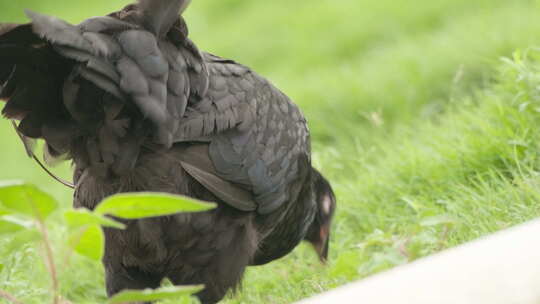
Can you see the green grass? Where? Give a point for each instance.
(429, 138)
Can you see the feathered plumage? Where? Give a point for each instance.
(137, 107)
(159, 15)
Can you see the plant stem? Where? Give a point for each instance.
(50, 261)
(9, 297)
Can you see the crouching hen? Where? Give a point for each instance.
(137, 107)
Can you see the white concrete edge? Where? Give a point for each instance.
(503, 268)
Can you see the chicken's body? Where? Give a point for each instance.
(211, 248)
(137, 107)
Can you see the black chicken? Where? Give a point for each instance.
(137, 107)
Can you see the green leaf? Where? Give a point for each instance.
(83, 217)
(9, 228)
(163, 293)
(148, 204)
(89, 242)
(10, 224)
(26, 199)
(3, 211)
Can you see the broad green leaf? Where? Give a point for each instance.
(27, 199)
(10, 227)
(11, 224)
(83, 217)
(163, 293)
(19, 220)
(1, 267)
(437, 220)
(148, 204)
(89, 242)
(3, 211)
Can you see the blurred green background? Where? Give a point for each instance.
(416, 120)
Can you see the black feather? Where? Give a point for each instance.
(104, 45)
(20, 33)
(58, 31)
(160, 15)
(136, 106)
(106, 23)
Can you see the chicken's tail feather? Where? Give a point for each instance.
(160, 15)
(29, 77)
(97, 91)
(55, 97)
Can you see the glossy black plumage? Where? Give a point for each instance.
(137, 107)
